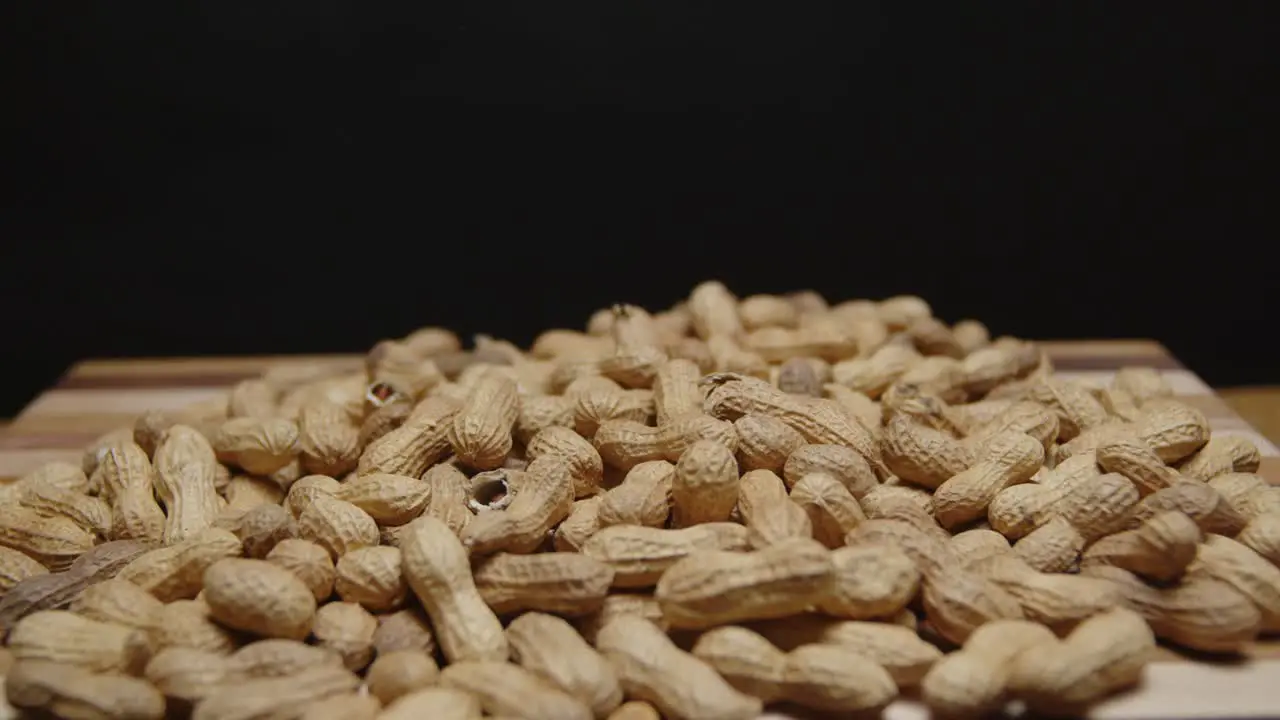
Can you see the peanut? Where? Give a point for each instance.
(347, 629)
(539, 506)
(435, 703)
(406, 629)
(585, 466)
(582, 522)
(190, 624)
(921, 454)
(765, 442)
(371, 577)
(258, 597)
(705, 486)
(1199, 613)
(261, 529)
(635, 710)
(16, 567)
(640, 556)
(642, 498)
(118, 601)
(388, 499)
(895, 648)
(819, 421)
(1222, 454)
(337, 525)
(90, 513)
(713, 587)
(837, 461)
(351, 706)
(551, 649)
(1227, 561)
(398, 673)
(309, 562)
(329, 442)
(1059, 602)
(278, 658)
(1262, 535)
(277, 696)
(563, 583)
(438, 572)
(823, 677)
(625, 443)
(1198, 501)
(504, 688)
(305, 489)
(176, 572)
(59, 636)
(870, 581)
(974, 680)
(416, 445)
(184, 482)
(1103, 654)
(258, 445)
(1160, 549)
(54, 542)
(1009, 459)
(480, 433)
(449, 488)
(651, 668)
(832, 510)
(47, 591)
(74, 692)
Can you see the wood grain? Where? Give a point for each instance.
(97, 396)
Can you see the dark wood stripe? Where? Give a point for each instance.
(46, 441)
(148, 382)
(204, 379)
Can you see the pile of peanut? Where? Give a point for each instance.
(695, 514)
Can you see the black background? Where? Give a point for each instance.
(300, 176)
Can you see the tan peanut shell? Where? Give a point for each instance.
(439, 573)
(640, 556)
(176, 572)
(190, 624)
(504, 688)
(539, 505)
(336, 525)
(566, 584)
(714, 587)
(642, 498)
(1104, 654)
(651, 668)
(974, 680)
(837, 461)
(399, 672)
(309, 562)
(705, 486)
(870, 581)
(554, 651)
(259, 597)
(832, 510)
(69, 691)
(371, 577)
(267, 696)
(347, 629)
(480, 433)
(118, 601)
(765, 442)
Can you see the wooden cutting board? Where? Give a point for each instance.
(99, 395)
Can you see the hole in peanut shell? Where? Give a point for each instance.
(382, 393)
(490, 491)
